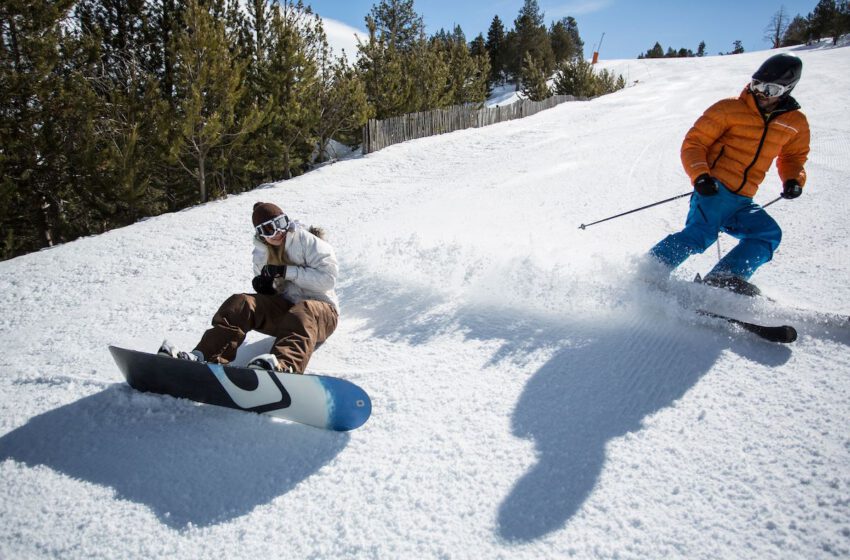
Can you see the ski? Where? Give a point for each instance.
(784, 334)
(749, 290)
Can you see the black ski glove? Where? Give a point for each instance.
(791, 189)
(705, 185)
(264, 285)
(274, 270)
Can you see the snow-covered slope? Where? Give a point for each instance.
(531, 398)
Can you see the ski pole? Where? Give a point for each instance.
(583, 226)
(777, 199)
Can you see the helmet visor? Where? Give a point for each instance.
(271, 227)
(768, 89)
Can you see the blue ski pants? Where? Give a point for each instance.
(758, 234)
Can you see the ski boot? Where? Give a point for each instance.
(730, 282)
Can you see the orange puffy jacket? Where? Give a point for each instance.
(734, 143)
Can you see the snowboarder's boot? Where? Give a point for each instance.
(169, 349)
(267, 362)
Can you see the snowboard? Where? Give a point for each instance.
(316, 400)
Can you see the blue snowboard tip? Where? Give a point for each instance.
(351, 406)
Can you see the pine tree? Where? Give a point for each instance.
(701, 49)
(402, 73)
(530, 36)
(496, 48)
(481, 72)
(478, 47)
(36, 111)
(566, 43)
(429, 78)
(442, 71)
(344, 106)
(131, 140)
(575, 77)
(130, 129)
(830, 18)
(797, 32)
(607, 82)
(842, 20)
(465, 78)
(122, 27)
(239, 31)
(657, 51)
(822, 19)
(530, 13)
(167, 23)
(572, 28)
(293, 82)
(388, 88)
(261, 145)
(259, 21)
(533, 80)
(397, 24)
(209, 86)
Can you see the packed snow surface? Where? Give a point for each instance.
(533, 396)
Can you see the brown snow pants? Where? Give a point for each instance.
(297, 328)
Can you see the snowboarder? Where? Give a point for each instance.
(726, 155)
(295, 272)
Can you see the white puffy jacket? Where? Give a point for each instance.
(312, 267)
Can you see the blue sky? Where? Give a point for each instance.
(630, 26)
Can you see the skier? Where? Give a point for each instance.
(295, 273)
(726, 155)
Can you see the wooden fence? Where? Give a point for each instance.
(378, 134)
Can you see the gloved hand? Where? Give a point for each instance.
(705, 185)
(274, 270)
(263, 285)
(791, 189)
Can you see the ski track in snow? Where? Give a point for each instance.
(531, 398)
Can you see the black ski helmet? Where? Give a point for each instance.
(784, 69)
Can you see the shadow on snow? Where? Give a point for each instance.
(593, 394)
(191, 467)
(603, 379)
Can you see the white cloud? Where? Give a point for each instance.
(343, 36)
(577, 8)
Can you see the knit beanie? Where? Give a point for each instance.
(265, 211)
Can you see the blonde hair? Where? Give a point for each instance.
(276, 254)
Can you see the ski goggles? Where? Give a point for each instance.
(768, 89)
(271, 227)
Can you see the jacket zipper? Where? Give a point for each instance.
(758, 151)
(720, 155)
